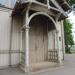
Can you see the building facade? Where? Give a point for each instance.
(31, 32)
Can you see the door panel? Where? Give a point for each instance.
(38, 43)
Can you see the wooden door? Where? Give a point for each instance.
(38, 43)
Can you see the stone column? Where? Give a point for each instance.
(58, 47)
(63, 40)
(27, 49)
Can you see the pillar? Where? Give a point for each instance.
(63, 40)
(27, 49)
(58, 47)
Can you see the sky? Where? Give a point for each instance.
(72, 19)
(2, 1)
(6, 1)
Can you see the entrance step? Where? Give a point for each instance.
(42, 65)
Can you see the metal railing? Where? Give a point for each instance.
(53, 55)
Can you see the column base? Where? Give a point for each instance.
(27, 70)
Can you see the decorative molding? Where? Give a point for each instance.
(45, 14)
(7, 51)
(58, 16)
(8, 66)
(26, 27)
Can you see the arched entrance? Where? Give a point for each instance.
(40, 24)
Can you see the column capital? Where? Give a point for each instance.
(58, 16)
(26, 27)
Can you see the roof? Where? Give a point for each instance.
(20, 6)
(64, 4)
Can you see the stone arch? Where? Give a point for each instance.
(44, 14)
(39, 36)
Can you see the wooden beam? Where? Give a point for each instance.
(59, 7)
(37, 7)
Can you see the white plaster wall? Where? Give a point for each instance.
(51, 40)
(16, 34)
(5, 24)
(16, 28)
(4, 60)
(15, 59)
(5, 29)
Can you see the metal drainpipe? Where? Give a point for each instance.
(11, 29)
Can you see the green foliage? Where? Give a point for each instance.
(68, 28)
(71, 2)
(68, 35)
(72, 5)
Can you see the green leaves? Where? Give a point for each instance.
(67, 27)
(71, 2)
(72, 5)
(68, 32)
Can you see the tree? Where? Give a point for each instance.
(68, 27)
(71, 2)
(72, 5)
(68, 35)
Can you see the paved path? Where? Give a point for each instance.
(68, 69)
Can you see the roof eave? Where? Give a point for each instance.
(64, 5)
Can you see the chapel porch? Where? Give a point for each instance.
(39, 34)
